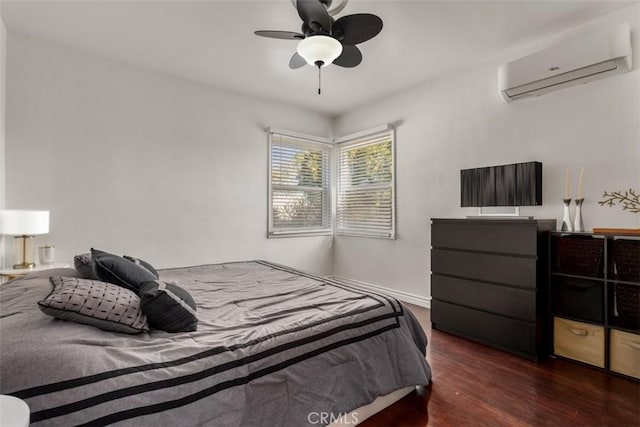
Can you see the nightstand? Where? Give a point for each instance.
(12, 273)
(13, 412)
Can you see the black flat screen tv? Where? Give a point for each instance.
(518, 184)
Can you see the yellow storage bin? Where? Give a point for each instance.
(579, 341)
(624, 353)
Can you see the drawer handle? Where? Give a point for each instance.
(633, 345)
(579, 332)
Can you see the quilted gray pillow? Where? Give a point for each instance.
(100, 304)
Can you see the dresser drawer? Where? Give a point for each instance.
(508, 334)
(515, 271)
(507, 301)
(624, 353)
(516, 238)
(578, 341)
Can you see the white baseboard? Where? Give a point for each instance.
(401, 295)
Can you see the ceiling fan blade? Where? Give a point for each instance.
(286, 35)
(297, 61)
(311, 11)
(350, 57)
(357, 28)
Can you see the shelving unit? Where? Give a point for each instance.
(594, 286)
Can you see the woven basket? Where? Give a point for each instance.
(580, 255)
(626, 257)
(627, 299)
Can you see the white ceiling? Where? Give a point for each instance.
(213, 42)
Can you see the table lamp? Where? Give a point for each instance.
(24, 225)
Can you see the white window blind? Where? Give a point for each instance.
(366, 189)
(300, 186)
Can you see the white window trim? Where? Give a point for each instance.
(299, 135)
(271, 233)
(355, 139)
(363, 133)
(333, 179)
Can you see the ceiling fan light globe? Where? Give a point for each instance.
(319, 48)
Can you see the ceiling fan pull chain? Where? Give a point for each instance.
(319, 81)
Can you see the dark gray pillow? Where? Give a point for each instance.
(103, 305)
(82, 263)
(115, 269)
(143, 263)
(168, 307)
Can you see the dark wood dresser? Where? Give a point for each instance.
(489, 281)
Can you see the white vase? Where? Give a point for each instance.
(578, 224)
(46, 254)
(567, 224)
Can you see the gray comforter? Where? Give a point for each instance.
(273, 346)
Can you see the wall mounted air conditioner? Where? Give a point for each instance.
(570, 62)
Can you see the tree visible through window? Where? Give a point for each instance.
(366, 204)
(300, 199)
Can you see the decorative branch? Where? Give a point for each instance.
(630, 200)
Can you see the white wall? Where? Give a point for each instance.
(136, 162)
(460, 121)
(3, 55)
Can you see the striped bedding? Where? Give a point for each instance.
(273, 346)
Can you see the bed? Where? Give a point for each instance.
(274, 346)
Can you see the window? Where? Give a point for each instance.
(300, 186)
(366, 187)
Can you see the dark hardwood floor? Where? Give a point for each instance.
(475, 385)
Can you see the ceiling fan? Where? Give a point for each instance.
(325, 40)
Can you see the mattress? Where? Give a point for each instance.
(274, 346)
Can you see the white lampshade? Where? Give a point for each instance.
(24, 223)
(319, 48)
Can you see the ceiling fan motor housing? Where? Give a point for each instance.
(333, 7)
(325, 40)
